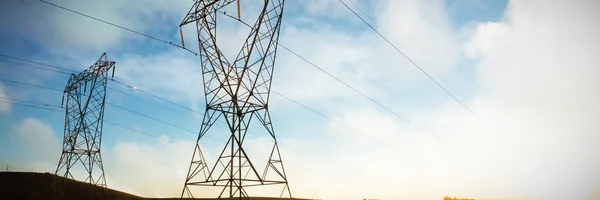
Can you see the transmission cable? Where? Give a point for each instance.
(43, 106)
(30, 102)
(29, 84)
(354, 89)
(109, 88)
(250, 132)
(408, 58)
(337, 79)
(118, 91)
(155, 96)
(149, 102)
(327, 117)
(121, 27)
(432, 71)
(159, 120)
(34, 62)
(124, 28)
(33, 66)
(362, 11)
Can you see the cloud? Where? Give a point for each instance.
(148, 169)
(533, 134)
(360, 58)
(39, 142)
(6, 105)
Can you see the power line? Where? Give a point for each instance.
(339, 80)
(364, 95)
(40, 106)
(33, 66)
(30, 106)
(115, 90)
(44, 106)
(362, 11)
(157, 97)
(121, 27)
(29, 84)
(433, 72)
(149, 102)
(120, 107)
(410, 60)
(116, 81)
(121, 83)
(38, 63)
(159, 120)
(327, 117)
(30, 102)
(131, 129)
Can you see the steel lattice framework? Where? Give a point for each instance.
(85, 96)
(237, 92)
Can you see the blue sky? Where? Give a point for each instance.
(505, 60)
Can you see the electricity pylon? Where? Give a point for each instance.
(237, 92)
(85, 96)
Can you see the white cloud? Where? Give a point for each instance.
(359, 57)
(148, 169)
(533, 134)
(39, 142)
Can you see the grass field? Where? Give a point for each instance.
(39, 186)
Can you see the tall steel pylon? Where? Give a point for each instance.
(237, 92)
(85, 96)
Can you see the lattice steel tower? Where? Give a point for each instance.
(237, 92)
(85, 95)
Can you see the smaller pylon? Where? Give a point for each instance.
(85, 96)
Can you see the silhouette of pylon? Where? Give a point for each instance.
(85, 97)
(237, 92)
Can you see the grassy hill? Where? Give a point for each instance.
(39, 186)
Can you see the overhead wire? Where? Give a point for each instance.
(327, 117)
(361, 10)
(408, 58)
(121, 27)
(115, 90)
(34, 62)
(375, 22)
(30, 102)
(29, 105)
(338, 79)
(29, 84)
(157, 97)
(117, 106)
(117, 125)
(348, 86)
(109, 88)
(184, 107)
(159, 120)
(287, 49)
(37, 67)
(43, 106)
(149, 102)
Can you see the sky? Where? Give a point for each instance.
(527, 69)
